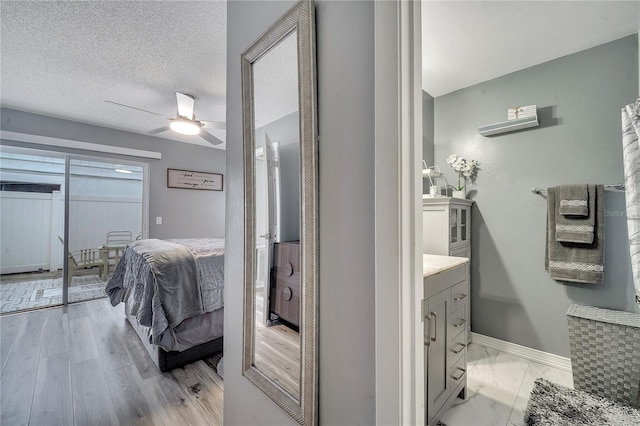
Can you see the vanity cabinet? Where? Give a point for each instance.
(446, 230)
(285, 281)
(445, 314)
(446, 226)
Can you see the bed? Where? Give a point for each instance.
(173, 296)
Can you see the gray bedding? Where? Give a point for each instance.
(168, 282)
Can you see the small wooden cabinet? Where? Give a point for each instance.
(285, 282)
(444, 312)
(446, 226)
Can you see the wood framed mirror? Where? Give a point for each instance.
(281, 214)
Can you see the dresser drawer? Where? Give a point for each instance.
(458, 372)
(285, 282)
(457, 346)
(461, 252)
(441, 281)
(286, 259)
(459, 296)
(285, 302)
(457, 322)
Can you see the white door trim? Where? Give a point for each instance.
(398, 225)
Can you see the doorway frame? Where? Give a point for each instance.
(400, 391)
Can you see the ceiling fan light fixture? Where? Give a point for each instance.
(185, 126)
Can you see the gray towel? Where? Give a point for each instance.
(575, 229)
(574, 200)
(582, 263)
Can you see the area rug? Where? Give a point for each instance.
(35, 293)
(551, 404)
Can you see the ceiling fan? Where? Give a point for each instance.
(185, 123)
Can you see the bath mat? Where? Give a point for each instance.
(551, 404)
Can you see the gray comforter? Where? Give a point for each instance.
(169, 281)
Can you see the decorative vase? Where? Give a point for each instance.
(459, 194)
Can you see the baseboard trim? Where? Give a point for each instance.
(535, 355)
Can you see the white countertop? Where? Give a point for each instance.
(435, 263)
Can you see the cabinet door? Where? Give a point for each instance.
(454, 233)
(464, 224)
(437, 382)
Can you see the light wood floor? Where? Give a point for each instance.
(84, 365)
(277, 352)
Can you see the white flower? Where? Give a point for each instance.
(467, 170)
(452, 159)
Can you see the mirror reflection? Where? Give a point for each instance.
(277, 215)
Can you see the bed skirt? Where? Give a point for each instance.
(168, 360)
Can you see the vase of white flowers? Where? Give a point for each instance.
(467, 170)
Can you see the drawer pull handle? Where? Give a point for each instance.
(460, 372)
(459, 297)
(288, 294)
(461, 348)
(435, 326)
(288, 269)
(427, 340)
(460, 324)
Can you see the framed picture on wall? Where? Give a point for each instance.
(189, 179)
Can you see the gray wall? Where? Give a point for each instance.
(579, 98)
(345, 58)
(204, 216)
(428, 128)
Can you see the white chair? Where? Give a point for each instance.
(86, 259)
(116, 244)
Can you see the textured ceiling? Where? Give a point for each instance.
(467, 42)
(65, 59)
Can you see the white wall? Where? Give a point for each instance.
(345, 65)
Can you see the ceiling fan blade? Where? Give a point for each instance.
(185, 105)
(210, 138)
(213, 124)
(139, 109)
(159, 130)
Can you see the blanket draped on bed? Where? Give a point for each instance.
(165, 284)
(174, 270)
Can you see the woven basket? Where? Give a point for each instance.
(605, 353)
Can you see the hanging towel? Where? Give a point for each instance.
(581, 263)
(574, 200)
(631, 164)
(575, 229)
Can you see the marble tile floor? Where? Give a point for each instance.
(498, 388)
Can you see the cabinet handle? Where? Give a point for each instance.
(462, 346)
(460, 324)
(459, 297)
(460, 372)
(427, 341)
(435, 326)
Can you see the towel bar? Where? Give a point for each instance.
(540, 191)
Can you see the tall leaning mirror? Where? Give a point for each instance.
(281, 216)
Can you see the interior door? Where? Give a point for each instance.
(272, 196)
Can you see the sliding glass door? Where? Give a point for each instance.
(105, 214)
(65, 221)
(32, 188)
